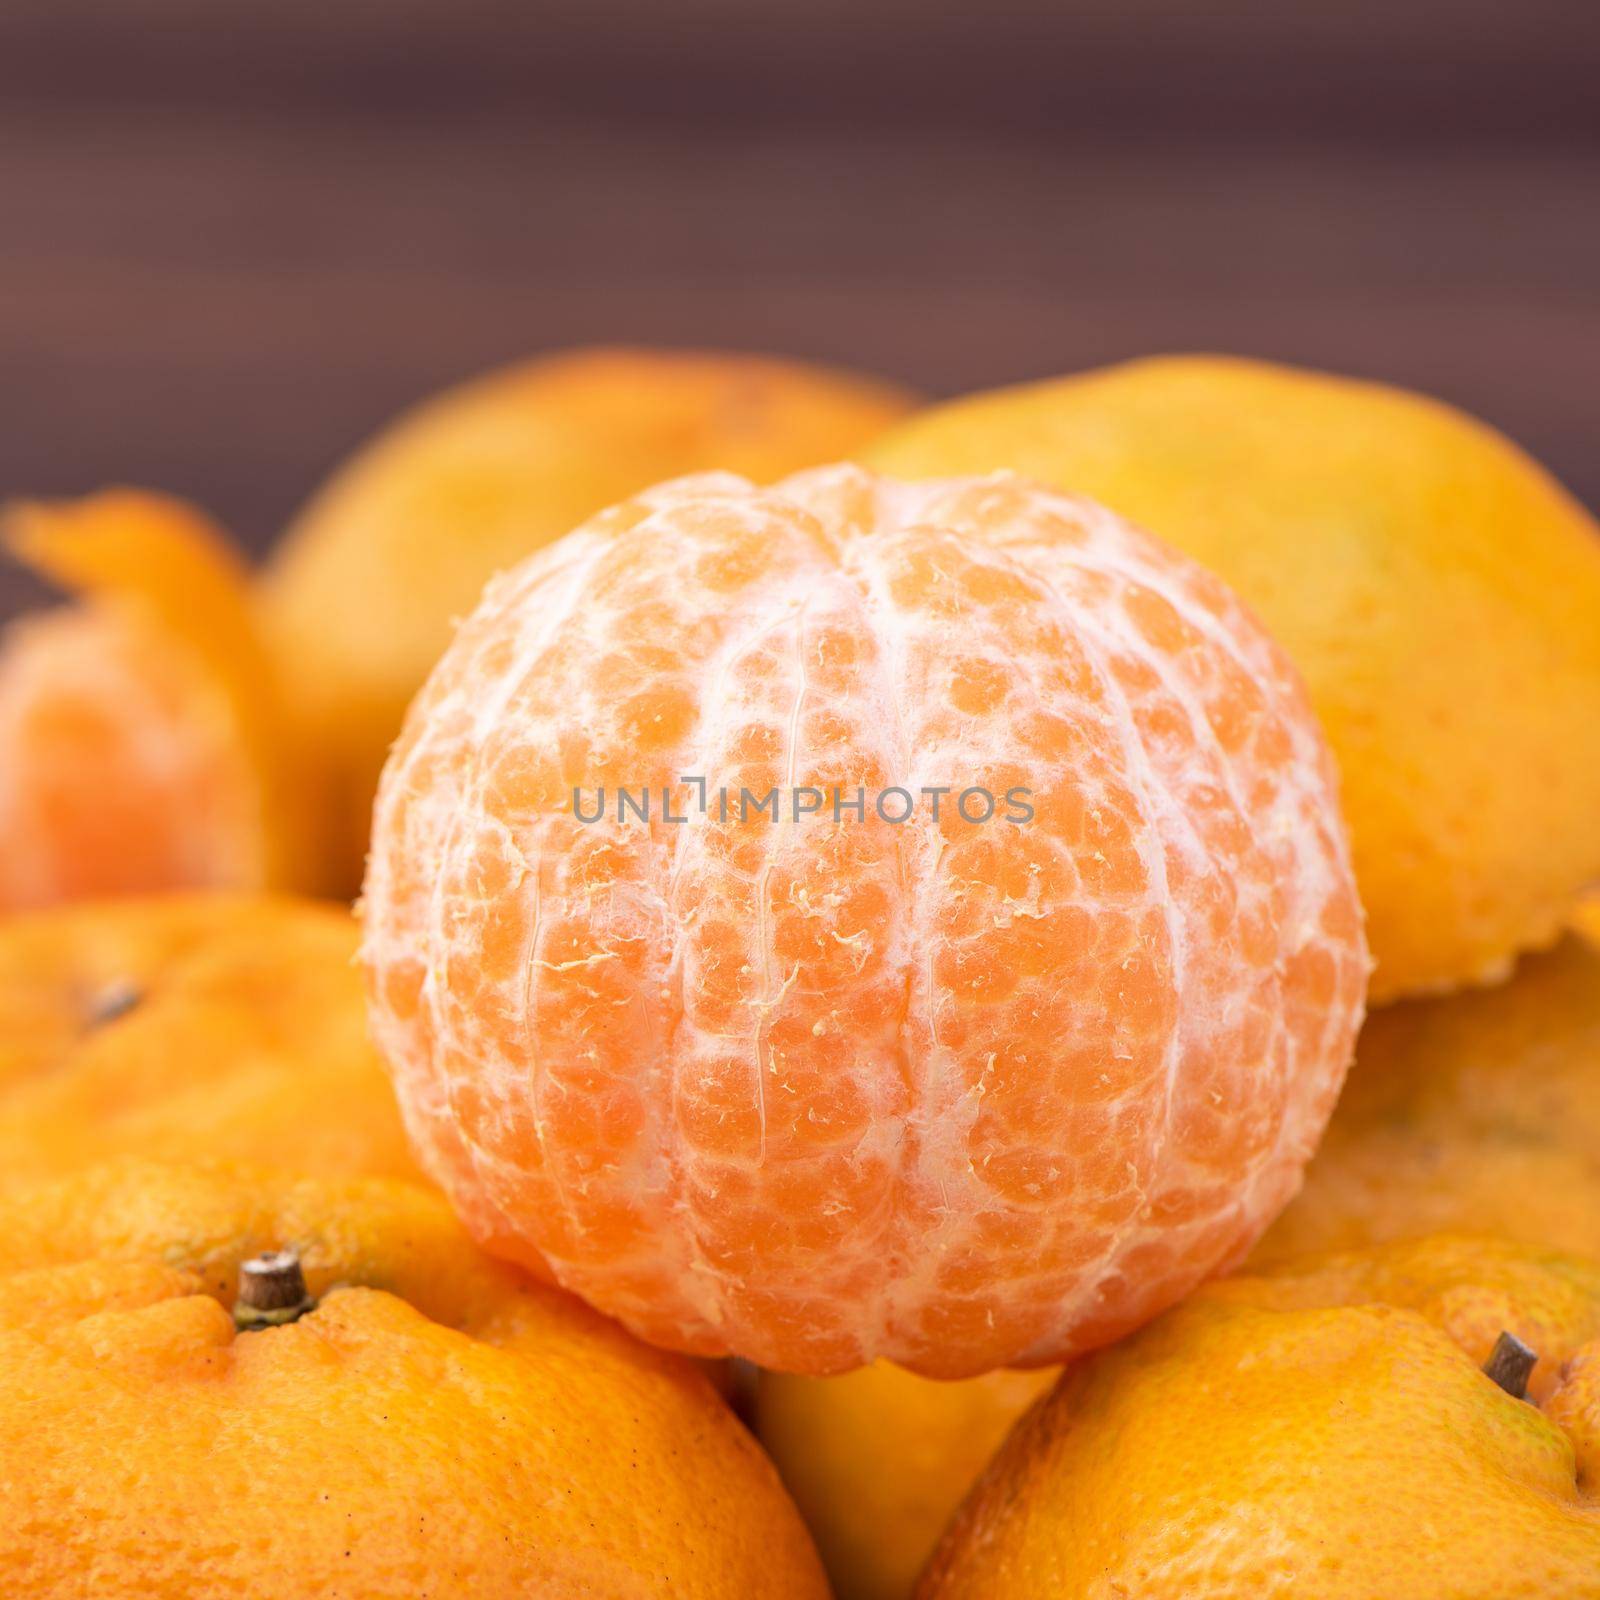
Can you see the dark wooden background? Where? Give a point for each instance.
(234, 237)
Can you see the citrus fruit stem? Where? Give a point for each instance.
(115, 1000)
(272, 1291)
(1510, 1363)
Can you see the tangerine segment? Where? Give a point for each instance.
(955, 1092)
(140, 745)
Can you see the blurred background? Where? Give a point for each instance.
(236, 238)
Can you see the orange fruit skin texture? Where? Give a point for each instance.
(371, 578)
(955, 1094)
(1323, 1432)
(141, 745)
(244, 1036)
(437, 1426)
(1438, 590)
(878, 1460)
(1476, 1113)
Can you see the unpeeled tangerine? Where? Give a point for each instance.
(958, 1094)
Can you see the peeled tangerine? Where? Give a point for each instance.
(955, 1090)
(141, 743)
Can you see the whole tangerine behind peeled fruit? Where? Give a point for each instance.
(369, 581)
(954, 1083)
(1468, 1113)
(1438, 590)
(878, 1460)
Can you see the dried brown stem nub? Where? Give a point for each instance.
(1510, 1364)
(272, 1291)
(115, 1000)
